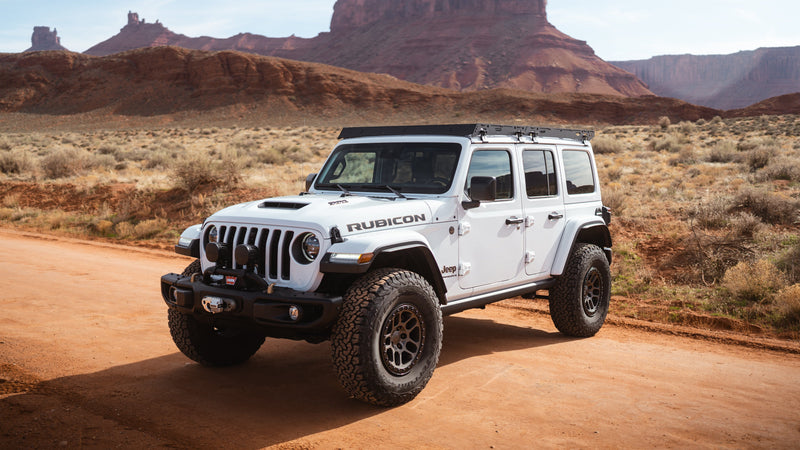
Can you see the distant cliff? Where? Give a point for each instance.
(459, 44)
(722, 81)
(44, 39)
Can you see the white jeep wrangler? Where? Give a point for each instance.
(402, 225)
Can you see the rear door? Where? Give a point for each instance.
(543, 207)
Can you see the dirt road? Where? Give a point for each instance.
(86, 361)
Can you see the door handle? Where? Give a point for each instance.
(514, 221)
(555, 216)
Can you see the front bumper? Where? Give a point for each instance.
(253, 307)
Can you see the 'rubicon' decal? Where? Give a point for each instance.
(382, 223)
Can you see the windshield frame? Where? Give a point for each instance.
(392, 165)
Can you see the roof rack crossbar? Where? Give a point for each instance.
(477, 130)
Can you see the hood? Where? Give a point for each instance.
(351, 215)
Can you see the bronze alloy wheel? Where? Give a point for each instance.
(592, 291)
(403, 337)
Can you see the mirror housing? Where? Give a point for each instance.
(483, 189)
(310, 180)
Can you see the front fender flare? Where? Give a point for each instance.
(382, 246)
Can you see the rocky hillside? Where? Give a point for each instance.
(722, 81)
(459, 44)
(172, 80)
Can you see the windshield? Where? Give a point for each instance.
(410, 168)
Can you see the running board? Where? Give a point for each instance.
(478, 301)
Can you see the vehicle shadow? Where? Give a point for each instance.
(287, 391)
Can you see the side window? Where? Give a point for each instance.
(493, 163)
(540, 173)
(578, 170)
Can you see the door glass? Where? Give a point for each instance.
(540, 175)
(578, 170)
(493, 163)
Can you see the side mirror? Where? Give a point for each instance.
(310, 180)
(483, 189)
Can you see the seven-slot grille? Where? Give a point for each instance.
(274, 248)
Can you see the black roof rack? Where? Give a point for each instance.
(468, 130)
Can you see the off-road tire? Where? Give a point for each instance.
(579, 300)
(208, 345)
(387, 339)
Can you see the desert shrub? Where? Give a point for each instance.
(149, 228)
(664, 122)
(746, 225)
(615, 199)
(231, 164)
(685, 156)
(193, 171)
(100, 161)
(686, 127)
(300, 154)
(789, 263)
(757, 142)
(782, 169)
(712, 212)
(786, 305)
(64, 162)
(707, 256)
(160, 159)
(671, 143)
(108, 149)
(612, 173)
(17, 162)
(758, 158)
(716, 120)
(771, 208)
(270, 155)
(753, 282)
(722, 152)
(124, 229)
(5, 145)
(607, 144)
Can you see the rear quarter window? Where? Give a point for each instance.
(578, 172)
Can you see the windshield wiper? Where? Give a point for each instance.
(394, 191)
(345, 192)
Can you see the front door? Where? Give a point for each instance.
(491, 235)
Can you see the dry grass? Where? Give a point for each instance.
(699, 200)
(691, 201)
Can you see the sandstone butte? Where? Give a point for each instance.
(464, 45)
(43, 40)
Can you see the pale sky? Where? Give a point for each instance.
(616, 29)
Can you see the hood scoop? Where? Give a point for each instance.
(282, 205)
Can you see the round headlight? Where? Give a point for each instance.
(213, 234)
(310, 246)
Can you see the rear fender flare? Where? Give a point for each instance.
(594, 231)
